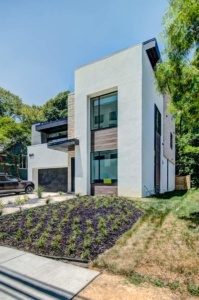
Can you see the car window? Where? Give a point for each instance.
(10, 178)
(3, 178)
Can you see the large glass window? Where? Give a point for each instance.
(53, 136)
(157, 120)
(104, 167)
(104, 111)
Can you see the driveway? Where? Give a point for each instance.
(27, 276)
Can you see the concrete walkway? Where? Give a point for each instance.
(27, 276)
(10, 206)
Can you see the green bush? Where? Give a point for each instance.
(40, 191)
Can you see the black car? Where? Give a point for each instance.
(10, 184)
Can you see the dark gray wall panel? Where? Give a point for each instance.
(53, 180)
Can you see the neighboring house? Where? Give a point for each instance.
(13, 160)
(121, 138)
(48, 167)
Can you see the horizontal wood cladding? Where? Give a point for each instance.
(101, 189)
(105, 139)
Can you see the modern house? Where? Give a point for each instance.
(13, 160)
(120, 136)
(48, 167)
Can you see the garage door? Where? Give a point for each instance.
(53, 180)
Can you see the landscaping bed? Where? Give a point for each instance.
(78, 228)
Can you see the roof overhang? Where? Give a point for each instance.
(62, 145)
(52, 126)
(152, 50)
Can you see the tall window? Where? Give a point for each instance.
(157, 120)
(104, 111)
(104, 166)
(171, 140)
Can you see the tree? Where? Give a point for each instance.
(10, 104)
(56, 108)
(31, 114)
(14, 139)
(178, 75)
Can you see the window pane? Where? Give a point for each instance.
(104, 166)
(108, 166)
(108, 109)
(95, 167)
(94, 114)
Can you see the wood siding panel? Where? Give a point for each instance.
(105, 139)
(97, 189)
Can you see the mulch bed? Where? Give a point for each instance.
(78, 228)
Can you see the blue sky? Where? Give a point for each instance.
(42, 42)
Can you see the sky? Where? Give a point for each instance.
(42, 42)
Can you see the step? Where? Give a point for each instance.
(23, 287)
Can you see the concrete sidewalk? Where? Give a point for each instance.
(28, 276)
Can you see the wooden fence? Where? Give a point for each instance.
(183, 182)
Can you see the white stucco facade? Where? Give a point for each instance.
(40, 156)
(130, 73)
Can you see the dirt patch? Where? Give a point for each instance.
(113, 287)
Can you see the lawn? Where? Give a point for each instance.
(162, 248)
(78, 228)
(152, 241)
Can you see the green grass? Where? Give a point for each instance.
(162, 247)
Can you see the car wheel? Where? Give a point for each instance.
(29, 189)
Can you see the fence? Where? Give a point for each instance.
(183, 182)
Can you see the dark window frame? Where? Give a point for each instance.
(171, 140)
(98, 109)
(100, 156)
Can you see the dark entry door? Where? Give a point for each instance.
(72, 174)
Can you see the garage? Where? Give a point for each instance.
(53, 180)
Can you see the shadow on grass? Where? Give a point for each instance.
(193, 218)
(169, 195)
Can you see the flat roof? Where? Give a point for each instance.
(151, 41)
(52, 124)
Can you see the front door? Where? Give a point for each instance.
(72, 174)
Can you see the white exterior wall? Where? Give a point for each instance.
(44, 158)
(149, 98)
(122, 72)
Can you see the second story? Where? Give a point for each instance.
(52, 133)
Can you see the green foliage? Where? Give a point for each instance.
(41, 242)
(188, 156)
(1, 204)
(3, 236)
(19, 234)
(31, 114)
(10, 104)
(193, 289)
(56, 108)
(19, 201)
(48, 200)
(12, 132)
(136, 278)
(40, 191)
(178, 75)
